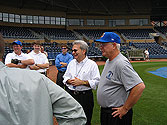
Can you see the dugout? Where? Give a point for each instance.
(136, 54)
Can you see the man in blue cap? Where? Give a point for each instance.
(18, 59)
(120, 86)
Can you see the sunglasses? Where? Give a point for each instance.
(64, 48)
(74, 50)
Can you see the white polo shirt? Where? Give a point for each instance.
(13, 55)
(39, 58)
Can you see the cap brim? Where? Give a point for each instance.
(16, 43)
(100, 40)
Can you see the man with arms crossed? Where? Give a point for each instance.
(120, 86)
(41, 61)
(18, 59)
(61, 62)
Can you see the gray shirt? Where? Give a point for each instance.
(30, 98)
(117, 78)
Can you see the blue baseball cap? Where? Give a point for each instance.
(17, 42)
(109, 37)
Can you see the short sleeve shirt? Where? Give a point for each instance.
(11, 56)
(39, 58)
(117, 78)
(146, 52)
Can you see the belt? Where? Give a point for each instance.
(62, 71)
(107, 109)
(75, 92)
(44, 73)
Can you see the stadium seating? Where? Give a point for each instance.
(16, 32)
(36, 33)
(55, 34)
(155, 50)
(162, 30)
(54, 48)
(94, 52)
(128, 33)
(136, 33)
(164, 44)
(92, 34)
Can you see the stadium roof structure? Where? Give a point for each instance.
(157, 9)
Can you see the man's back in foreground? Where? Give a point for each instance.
(29, 98)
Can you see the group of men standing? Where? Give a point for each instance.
(30, 98)
(119, 86)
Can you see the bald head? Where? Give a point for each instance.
(1, 46)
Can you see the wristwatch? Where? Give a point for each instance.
(19, 61)
(84, 83)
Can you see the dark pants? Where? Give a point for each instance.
(107, 118)
(85, 98)
(60, 79)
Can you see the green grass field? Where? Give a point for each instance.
(151, 109)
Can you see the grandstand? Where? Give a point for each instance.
(56, 22)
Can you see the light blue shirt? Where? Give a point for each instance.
(63, 58)
(30, 98)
